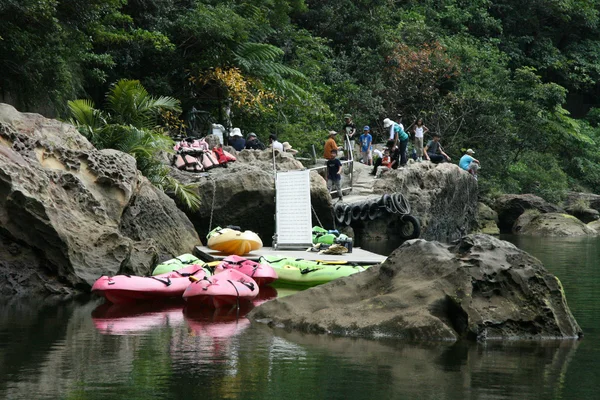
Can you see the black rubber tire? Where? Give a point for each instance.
(355, 212)
(381, 200)
(347, 215)
(364, 211)
(338, 211)
(388, 201)
(410, 228)
(401, 203)
(373, 210)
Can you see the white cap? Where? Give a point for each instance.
(236, 132)
(470, 151)
(387, 123)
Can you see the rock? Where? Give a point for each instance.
(487, 220)
(477, 288)
(585, 215)
(584, 200)
(443, 197)
(76, 213)
(532, 222)
(244, 193)
(594, 225)
(510, 206)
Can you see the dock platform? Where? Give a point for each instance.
(358, 255)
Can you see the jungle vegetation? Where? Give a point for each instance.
(518, 81)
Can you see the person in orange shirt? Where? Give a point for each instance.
(330, 144)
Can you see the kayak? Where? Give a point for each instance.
(299, 272)
(231, 241)
(226, 288)
(263, 274)
(175, 264)
(128, 289)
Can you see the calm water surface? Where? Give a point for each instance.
(89, 350)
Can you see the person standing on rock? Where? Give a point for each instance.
(330, 145)
(399, 137)
(469, 164)
(350, 130)
(334, 174)
(434, 152)
(419, 130)
(366, 145)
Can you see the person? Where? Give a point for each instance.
(366, 145)
(419, 130)
(274, 143)
(386, 163)
(350, 130)
(434, 152)
(253, 143)
(394, 153)
(330, 144)
(236, 140)
(334, 173)
(399, 137)
(469, 164)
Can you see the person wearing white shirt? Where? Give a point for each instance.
(274, 143)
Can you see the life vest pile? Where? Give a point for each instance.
(194, 155)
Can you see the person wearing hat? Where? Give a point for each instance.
(330, 144)
(469, 164)
(434, 152)
(366, 145)
(288, 148)
(253, 143)
(399, 137)
(236, 140)
(350, 130)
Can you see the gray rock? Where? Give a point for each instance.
(594, 225)
(585, 215)
(478, 288)
(510, 206)
(76, 213)
(487, 220)
(243, 194)
(443, 198)
(532, 222)
(588, 200)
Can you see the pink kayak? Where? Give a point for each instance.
(226, 288)
(261, 273)
(133, 318)
(127, 288)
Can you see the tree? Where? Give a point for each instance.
(129, 123)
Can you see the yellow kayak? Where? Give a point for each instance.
(231, 241)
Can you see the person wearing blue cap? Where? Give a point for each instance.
(366, 145)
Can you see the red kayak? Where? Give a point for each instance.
(127, 288)
(261, 273)
(226, 288)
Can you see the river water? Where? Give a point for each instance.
(87, 350)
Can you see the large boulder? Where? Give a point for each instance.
(443, 198)
(243, 194)
(70, 213)
(595, 225)
(487, 220)
(583, 200)
(510, 206)
(532, 222)
(478, 288)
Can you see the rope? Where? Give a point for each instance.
(212, 206)
(316, 216)
(237, 299)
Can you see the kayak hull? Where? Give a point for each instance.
(262, 274)
(226, 288)
(175, 264)
(230, 241)
(129, 289)
(304, 273)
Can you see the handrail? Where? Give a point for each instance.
(349, 161)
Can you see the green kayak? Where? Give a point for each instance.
(176, 263)
(300, 272)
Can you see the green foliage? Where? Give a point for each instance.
(128, 125)
(540, 174)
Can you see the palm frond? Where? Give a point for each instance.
(86, 118)
(187, 194)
